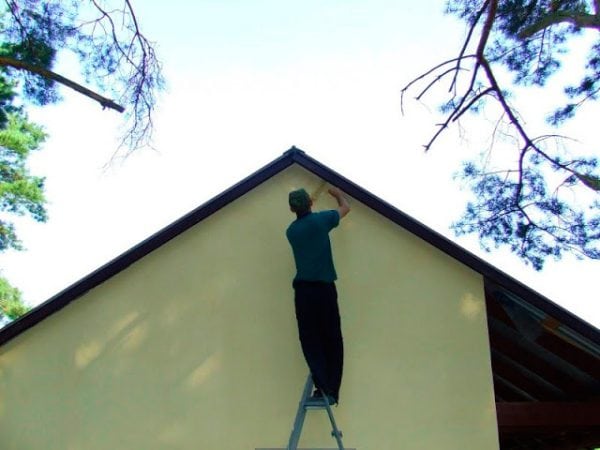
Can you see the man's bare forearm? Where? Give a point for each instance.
(342, 201)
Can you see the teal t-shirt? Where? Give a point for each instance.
(309, 238)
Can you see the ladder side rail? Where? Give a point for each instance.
(336, 433)
(300, 415)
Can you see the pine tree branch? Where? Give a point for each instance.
(581, 20)
(468, 106)
(533, 223)
(487, 29)
(588, 180)
(466, 42)
(48, 74)
(434, 81)
(424, 75)
(14, 11)
(529, 143)
(457, 109)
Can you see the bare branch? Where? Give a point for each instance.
(455, 111)
(520, 182)
(434, 81)
(442, 127)
(31, 68)
(471, 103)
(423, 75)
(136, 52)
(113, 31)
(541, 51)
(487, 28)
(458, 109)
(430, 71)
(466, 43)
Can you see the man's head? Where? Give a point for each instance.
(300, 201)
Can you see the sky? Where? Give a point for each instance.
(245, 82)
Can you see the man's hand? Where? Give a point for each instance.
(335, 192)
(343, 206)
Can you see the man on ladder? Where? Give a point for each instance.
(315, 294)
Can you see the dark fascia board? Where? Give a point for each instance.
(491, 274)
(132, 255)
(294, 156)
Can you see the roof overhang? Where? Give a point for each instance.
(540, 351)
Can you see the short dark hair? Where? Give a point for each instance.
(299, 201)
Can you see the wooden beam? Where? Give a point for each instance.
(505, 392)
(527, 417)
(581, 359)
(513, 350)
(533, 387)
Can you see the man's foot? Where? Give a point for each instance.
(332, 400)
(316, 399)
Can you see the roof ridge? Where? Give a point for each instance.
(289, 157)
(293, 151)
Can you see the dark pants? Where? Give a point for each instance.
(320, 333)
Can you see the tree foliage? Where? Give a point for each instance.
(114, 54)
(20, 193)
(115, 57)
(11, 302)
(547, 202)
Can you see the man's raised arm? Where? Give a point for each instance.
(343, 206)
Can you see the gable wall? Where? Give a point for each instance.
(195, 345)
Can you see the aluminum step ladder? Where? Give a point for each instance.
(306, 403)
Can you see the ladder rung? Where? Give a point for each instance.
(306, 403)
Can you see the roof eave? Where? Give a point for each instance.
(295, 155)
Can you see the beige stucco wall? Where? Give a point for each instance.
(195, 345)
